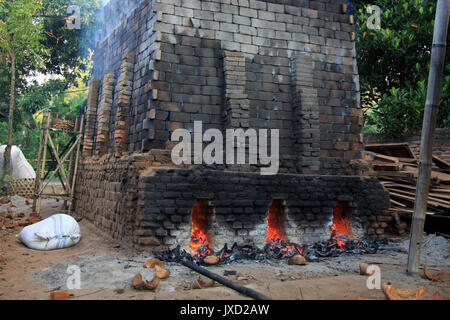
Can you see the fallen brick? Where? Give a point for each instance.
(5, 200)
(59, 294)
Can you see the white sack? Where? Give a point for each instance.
(56, 232)
(20, 168)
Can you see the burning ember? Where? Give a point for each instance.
(340, 230)
(201, 223)
(277, 247)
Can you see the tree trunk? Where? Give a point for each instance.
(11, 112)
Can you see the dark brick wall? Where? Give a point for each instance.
(241, 200)
(287, 65)
(137, 202)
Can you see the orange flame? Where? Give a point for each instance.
(201, 222)
(275, 222)
(276, 232)
(341, 224)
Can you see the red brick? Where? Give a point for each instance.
(59, 295)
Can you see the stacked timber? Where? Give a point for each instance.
(396, 166)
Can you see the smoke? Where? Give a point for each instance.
(104, 2)
(112, 14)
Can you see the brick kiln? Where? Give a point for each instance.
(287, 65)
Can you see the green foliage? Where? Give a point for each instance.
(394, 63)
(21, 31)
(20, 37)
(54, 50)
(69, 47)
(65, 50)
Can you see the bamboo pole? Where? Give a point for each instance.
(75, 171)
(62, 161)
(428, 128)
(69, 182)
(47, 119)
(37, 184)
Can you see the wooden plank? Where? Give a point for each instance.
(434, 193)
(441, 163)
(384, 158)
(433, 204)
(402, 211)
(392, 149)
(387, 166)
(398, 203)
(431, 200)
(397, 180)
(408, 160)
(396, 174)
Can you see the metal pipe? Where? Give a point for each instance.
(241, 289)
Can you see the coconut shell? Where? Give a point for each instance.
(211, 260)
(436, 296)
(297, 259)
(152, 285)
(161, 273)
(139, 284)
(363, 269)
(200, 283)
(431, 276)
(393, 293)
(151, 263)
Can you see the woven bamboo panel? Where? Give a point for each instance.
(22, 187)
(64, 125)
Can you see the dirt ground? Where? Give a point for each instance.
(107, 272)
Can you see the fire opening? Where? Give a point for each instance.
(340, 229)
(276, 229)
(277, 244)
(201, 239)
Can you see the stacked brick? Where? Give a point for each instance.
(179, 76)
(104, 194)
(286, 65)
(306, 114)
(237, 104)
(143, 115)
(104, 113)
(122, 120)
(107, 192)
(91, 112)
